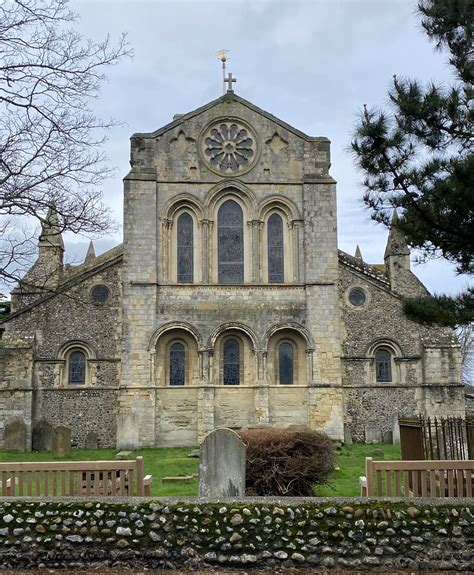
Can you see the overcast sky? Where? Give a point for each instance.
(312, 63)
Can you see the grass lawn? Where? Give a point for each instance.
(174, 461)
(344, 481)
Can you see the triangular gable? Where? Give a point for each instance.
(221, 99)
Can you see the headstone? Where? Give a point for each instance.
(42, 436)
(128, 425)
(14, 436)
(222, 465)
(62, 441)
(395, 430)
(387, 436)
(92, 441)
(373, 434)
(347, 434)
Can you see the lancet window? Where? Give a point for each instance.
(383, 366)
(231, 362)
(77, 368)
(230, 240)
(285, 363)
(275, 249)
(177, 364)
(185, 255)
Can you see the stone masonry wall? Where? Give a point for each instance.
(71, 318)
(369, 534)
(424, 369)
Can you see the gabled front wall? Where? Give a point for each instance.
(169, 177)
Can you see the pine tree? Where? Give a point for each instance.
(418, 157)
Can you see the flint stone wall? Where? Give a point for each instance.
(191, 532)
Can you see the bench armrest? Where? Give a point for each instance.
(363, 485)
(147, 480)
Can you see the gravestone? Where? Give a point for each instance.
(62, 441)
(14, 436)
(373, 434)
(92, 441)
(222, 465)
(42, 436)
(347, 434)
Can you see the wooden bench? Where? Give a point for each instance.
(75, 478)
(433, 478)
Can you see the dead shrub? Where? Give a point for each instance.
(287, 462)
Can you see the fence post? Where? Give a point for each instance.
(139, 477)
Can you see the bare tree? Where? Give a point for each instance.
(50, 140)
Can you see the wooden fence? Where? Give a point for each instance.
(74, 478)
(450, 438)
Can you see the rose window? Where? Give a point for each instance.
(229, 148)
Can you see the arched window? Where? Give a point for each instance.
(383, 366)
(76, 368)
(230, 243)
(285, 363)
(231, 362)
(275, 249)
(185, 254)
(177, 364)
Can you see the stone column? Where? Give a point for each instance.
(256, 226)
(261, 395)
(166, 226)
(295, 238)
(205, 410)
(205, 259)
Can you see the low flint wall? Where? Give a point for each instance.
(190, 532)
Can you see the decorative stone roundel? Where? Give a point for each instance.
(229, 147)
(99, 294)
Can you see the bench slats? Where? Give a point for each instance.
(433, 478)
(71, 478)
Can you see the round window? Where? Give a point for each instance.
(100, 293)
(357, 297)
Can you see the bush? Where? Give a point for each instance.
(287, 462)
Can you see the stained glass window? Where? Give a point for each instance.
(383, 365)
(357, 297)
(99, 294)
(285, 361)
(231, 362)
(275, 249)
(77, 368)
(185, 248)
(177, 364)
(230, 242)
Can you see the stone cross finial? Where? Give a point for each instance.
(229, 81)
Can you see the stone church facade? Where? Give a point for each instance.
(228, 304)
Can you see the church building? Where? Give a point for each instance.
(228, 304)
